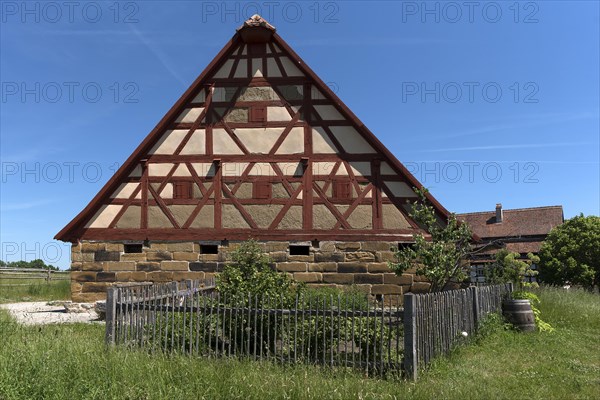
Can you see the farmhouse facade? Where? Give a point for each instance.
(258, 147)
(519, 231)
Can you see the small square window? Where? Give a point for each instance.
(209, 249)
(342, 190)
(258, 114)
(262, 190)
(182, 190)
(133, 248)
(299, 250)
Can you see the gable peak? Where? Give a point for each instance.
(256, 30)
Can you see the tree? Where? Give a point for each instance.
(509, 268)
(571, 253)
(442, 258)
(251, 273)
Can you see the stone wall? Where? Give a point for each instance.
(97, 265)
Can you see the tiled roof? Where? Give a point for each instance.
(517, 222)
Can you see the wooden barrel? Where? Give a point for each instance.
(519, 313)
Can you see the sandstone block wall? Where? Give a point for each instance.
(97, 265)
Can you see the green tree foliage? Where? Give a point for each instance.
(251, 273)
(37, 263)
(508, 267)
(441, 259)
(571, 253)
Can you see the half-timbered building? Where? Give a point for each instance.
(257, 147)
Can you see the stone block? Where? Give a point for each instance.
(87, 297)
(209, 257)
(88, 257)
(292, 267)
(309, 258)
(158, 246)
(77, 257)
(352, 267)
(115, 247)
(92, 266)
(130, 276)
(347, 246)
(420, 287)
(378, 246)
(92, 247)
(105, 277)
(329, 257)
(120, 266)
(308, 277)
(184, 256)
(362, 288)
(76, 266)
(327, 246)
(378, 267)
(159, 276)
(385, 256)
(103, 255)
(322, 267)
(278, 256)
(420, 278)
(362, 256)
(182, 276)
(95, 287)
(172, 266)
(393, 279)
(87, 276)
(386, 289)
(181, 246)
(368, 278)
(276, 246)
(75, 286)
(204, 266)
(133, 257)
(342, 279)
(159, 255)
(148, 266)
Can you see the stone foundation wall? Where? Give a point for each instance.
(97, 265)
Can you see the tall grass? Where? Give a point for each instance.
(34, 290)
(71, 362)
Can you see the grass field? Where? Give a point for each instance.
(17, 290)
(71, 362)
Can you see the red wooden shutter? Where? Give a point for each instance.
(182, 190)
(258, 114)
(342, 190)
(262, 190)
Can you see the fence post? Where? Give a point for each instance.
(474, 291)
(410, 336)
(111, 314)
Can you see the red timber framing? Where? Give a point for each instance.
(205, 173)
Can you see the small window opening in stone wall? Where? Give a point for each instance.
(405, 245)
(209, 249)
(299, 250)
(133, 248)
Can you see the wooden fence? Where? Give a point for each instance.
(378, 337)
(344, 330)
(20, 274)
(436, 322)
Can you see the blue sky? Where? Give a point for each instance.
(492, 102)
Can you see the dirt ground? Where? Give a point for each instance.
(42, 313)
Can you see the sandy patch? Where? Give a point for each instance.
(40, 313)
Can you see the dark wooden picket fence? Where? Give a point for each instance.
(378, 337)
(342, 330)
(436, 322)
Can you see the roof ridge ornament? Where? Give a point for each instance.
(256, 21)
(256, 30)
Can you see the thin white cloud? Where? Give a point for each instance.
(507, 146)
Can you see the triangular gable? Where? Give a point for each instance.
(258, 146)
